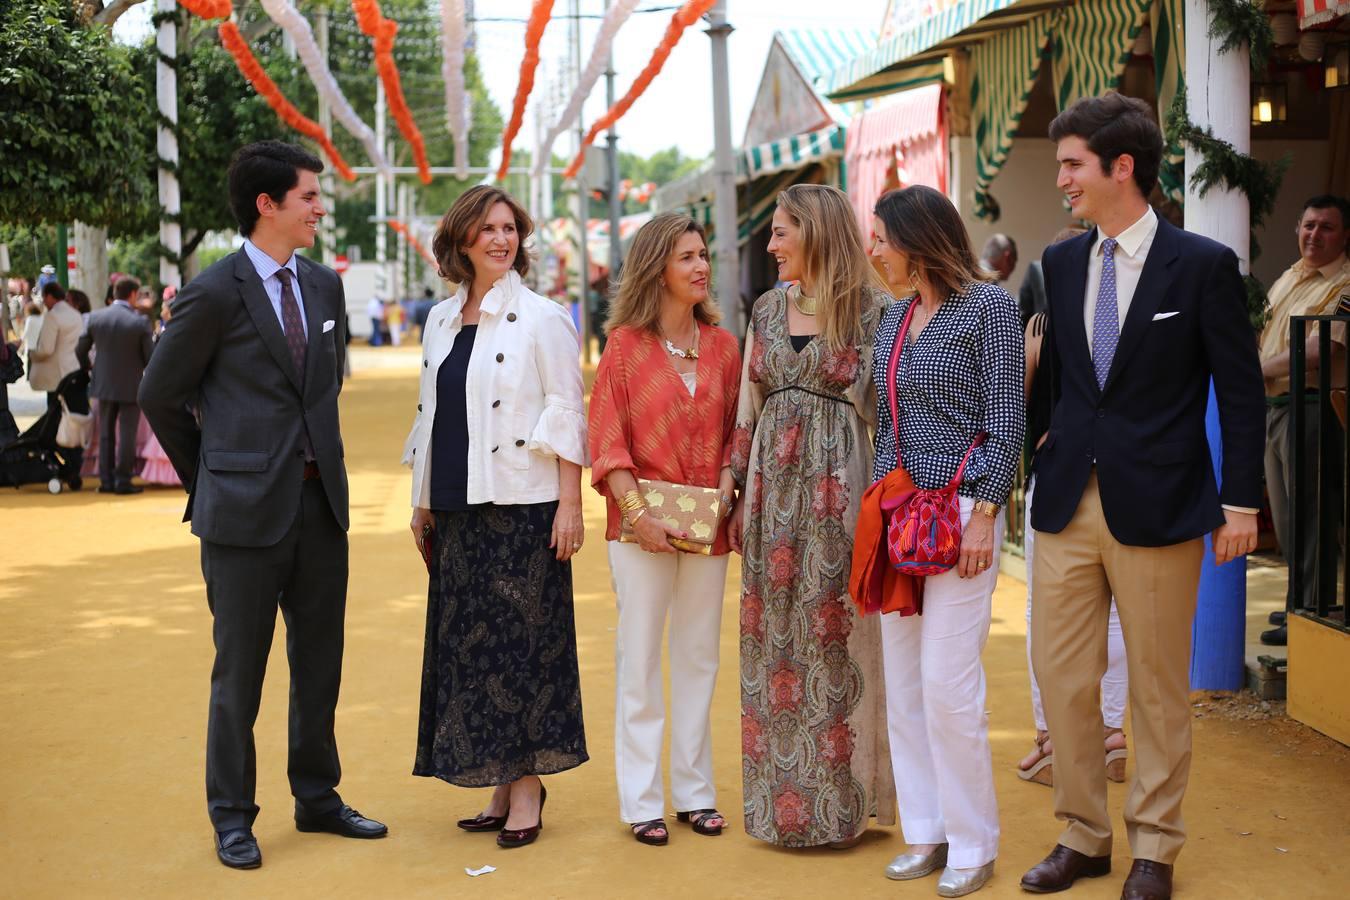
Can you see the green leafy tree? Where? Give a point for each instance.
(69, 103)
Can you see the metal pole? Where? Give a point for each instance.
(328, 224)
(726, 246)
(615, 207)
(401, 269)
(381, 205)
(583, 201)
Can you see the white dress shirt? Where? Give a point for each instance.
(267, 269)
(1132, 246)
(523, 396)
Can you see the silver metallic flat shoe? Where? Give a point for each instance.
(959, 882)
(917, 865)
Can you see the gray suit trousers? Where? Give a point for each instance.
(305, 576)
(117, 425)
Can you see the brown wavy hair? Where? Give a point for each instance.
(834, 260)
(922, 223)
(636, 300)
(460, 226)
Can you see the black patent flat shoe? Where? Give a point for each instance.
(482, 822)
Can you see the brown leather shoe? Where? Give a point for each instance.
(1058, 871)
(1148, 880)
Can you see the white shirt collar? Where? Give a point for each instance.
(502, 290)
(265, 265)
(1129, 240)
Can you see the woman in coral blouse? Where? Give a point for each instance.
(663, 409)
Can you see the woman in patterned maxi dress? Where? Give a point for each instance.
(815, 758)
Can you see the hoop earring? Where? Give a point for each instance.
(914, 281)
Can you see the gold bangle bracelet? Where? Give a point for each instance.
(637, 514)
(987, 508)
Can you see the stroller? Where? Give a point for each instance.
(35, 457)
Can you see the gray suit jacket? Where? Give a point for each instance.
(225, 355)
(124, 343)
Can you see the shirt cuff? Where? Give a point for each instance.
(1242, 509)
(561, 432)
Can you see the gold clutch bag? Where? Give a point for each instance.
(694, 510)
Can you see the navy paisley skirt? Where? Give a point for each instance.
(501, 693)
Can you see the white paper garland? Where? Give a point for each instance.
(457, 111)
(288, 18)
(614, 19)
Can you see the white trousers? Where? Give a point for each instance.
(648, 588)
(1115, 686)
(935, 691)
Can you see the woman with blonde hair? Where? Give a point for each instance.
(662, 410)
(949, 361)
(813, 740)
(496, 451)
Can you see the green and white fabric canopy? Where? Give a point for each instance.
(794, 152)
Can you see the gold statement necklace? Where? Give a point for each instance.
(805, 305)
(680, 352)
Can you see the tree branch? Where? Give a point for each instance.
(113, 11)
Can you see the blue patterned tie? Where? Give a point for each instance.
(1106, 319)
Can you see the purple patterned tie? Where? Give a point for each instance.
(1105, 319)
(295, 329)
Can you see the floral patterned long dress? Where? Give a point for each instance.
(815, 756)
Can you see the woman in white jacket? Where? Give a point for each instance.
(496, 452)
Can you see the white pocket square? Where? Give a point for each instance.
(1158, 318)
(328, 326)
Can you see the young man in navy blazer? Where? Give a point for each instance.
(1142, 317)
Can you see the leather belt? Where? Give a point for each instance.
(311, 471)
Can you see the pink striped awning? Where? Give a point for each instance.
(1313, 12)
(896, 145)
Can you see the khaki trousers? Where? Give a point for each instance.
(1077, 571)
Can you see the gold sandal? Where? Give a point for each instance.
(1041, 771)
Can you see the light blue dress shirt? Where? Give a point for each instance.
(267, 269)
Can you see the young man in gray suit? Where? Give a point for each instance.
(124, 344)
(256, 349)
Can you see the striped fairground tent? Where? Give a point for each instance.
(794, 152)
(900, 142)
(1315, 12)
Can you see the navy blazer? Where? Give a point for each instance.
(1145, 428)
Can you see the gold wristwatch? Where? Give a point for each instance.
(986, 508)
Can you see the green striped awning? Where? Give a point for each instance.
(794, 152)
(817, 52)
(1004, 69)
(1092, 45)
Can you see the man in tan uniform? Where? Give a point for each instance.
(1310, 287)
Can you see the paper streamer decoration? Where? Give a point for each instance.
(685, 16)
(534, 32)
(381, 31)
(248, 64)
(615, 17)
(457, 111)
(414, 242)
(207, 9)
(290, 21)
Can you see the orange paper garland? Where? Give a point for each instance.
(540, 13)
(416, 244)
(252, 70)
(381, 31)
(685, 16)
(207, 9)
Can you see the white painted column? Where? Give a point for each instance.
(382, 180)
(166, 95)
(91, 261)
(726, 247)
(1218, 96)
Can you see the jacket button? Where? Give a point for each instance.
(414, 451)
(496, 403)
(419, 407)
(520, 443)
(494, 449)
(425, 363)
(510, 317)
(500, 357)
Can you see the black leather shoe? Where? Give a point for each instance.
(1276, 637)
(128, 489)
(1058, 871)
(238, 849)
(1277, 617)
(1148, 880)
(343, 821)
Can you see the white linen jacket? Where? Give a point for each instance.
(523, 394)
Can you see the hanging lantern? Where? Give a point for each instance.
(1311, 45)
(1285, 28)
(1268, 103)
(1338, 66)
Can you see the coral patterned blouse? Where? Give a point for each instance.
(643, 419)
